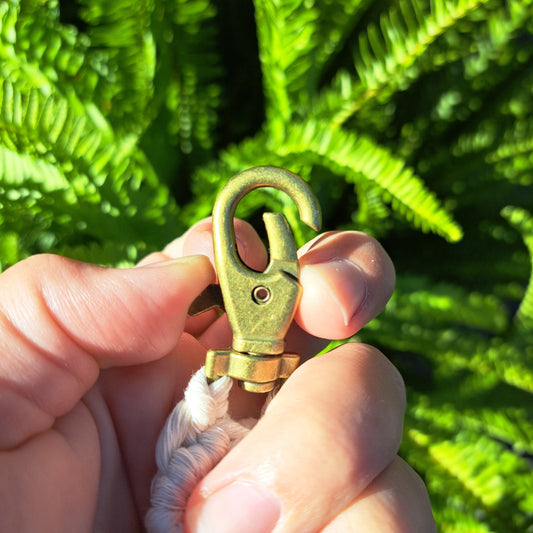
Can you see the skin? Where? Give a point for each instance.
(93, 360)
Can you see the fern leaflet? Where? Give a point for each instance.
(359, 158)
(389, 57)
(523, 221)
(123, 30)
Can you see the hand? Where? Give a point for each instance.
(94, 359)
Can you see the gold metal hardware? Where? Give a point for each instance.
(260, 305)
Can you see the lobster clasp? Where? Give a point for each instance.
(260, 305)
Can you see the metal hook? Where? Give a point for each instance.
(260, 305)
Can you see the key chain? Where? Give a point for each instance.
(260, 308)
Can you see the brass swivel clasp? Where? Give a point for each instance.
(260, 305)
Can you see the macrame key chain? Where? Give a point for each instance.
(260, 307)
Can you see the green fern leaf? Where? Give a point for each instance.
(415, 298)
(473, 472)
(17, 168)
(372, 216)
(512, 159)
(54, 54)
(9, 248)
(187, 88)
(389, 58)
(296, 39)
(522, 220)
(104, 173)
(122, 29)
(284, 34)
(50, 126)
(452, 350)
(490, 408)
(359, 158)
(209, 179)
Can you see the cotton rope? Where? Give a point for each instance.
(197, 434)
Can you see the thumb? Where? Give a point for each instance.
(62, 320)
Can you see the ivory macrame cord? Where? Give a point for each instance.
(197, 434)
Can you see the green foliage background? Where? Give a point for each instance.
(412, 120)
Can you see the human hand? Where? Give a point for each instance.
(94, 359)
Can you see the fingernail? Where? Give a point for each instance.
(187, 260)
(342, 280)
(237, 508)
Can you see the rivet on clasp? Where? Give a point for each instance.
(260, 305)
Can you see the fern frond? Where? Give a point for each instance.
(423, 320)
(443, 303)
(16, 168)
(372, 215)
(486, 469)
(468, 471)
(389, 58)
(187, 86)
(490, 409)
(51, 127)
(296, 38)
(26, 212)
(512, 157)
(360, 159)
(489, 97)
(79, 226)
(122, 29)
(451, 350)
(285, 34)
(511, 361)
(456, 520)
(56, 55)
(107, 176)
(522, 220)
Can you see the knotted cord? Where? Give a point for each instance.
(198, 433)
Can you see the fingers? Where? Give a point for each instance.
(330, 431)
(62, 320)
(395, 502)
(349, 277)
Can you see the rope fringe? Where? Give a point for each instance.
(197, 435)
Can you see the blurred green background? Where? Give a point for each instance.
(411, 120)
